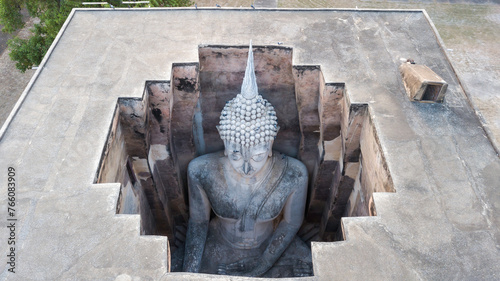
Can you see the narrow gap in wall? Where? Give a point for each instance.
(131, 172)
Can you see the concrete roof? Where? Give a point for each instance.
(441, 223)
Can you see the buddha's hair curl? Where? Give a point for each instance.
(248, 122)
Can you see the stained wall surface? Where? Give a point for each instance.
(441, 223)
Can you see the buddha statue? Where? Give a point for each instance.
(257, 196)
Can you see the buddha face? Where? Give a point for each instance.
(248, 161)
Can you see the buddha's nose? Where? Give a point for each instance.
(246, 167)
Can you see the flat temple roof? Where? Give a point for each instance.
(442, 222)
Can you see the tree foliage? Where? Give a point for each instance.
(170, 3)
(10, 15)
(52, 15)
(29, 52)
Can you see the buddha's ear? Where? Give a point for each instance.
(226, 143)
(272, 142)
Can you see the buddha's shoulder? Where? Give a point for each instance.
(295, 176)
(296, 168)
(208, 161)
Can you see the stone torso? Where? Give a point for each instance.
(246, 209)
(229, 198)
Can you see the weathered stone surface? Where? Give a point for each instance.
(160, 97)
(352, 119)
(330, 110)
(134, 126)
(128, 202)
(422, 84)
(114, 157)
(321, 189)
(221, 73)
(394, 258)
(153, 220)
(332, 150)
(365, 162)
(170, 192)
(450, 179)
(329, 147)
(357, 206)
(185, 93)
(328, 171)
(375, 175)
(352, 132)
(134, 121)
(120, 163)
(307, 91)
(337, 204)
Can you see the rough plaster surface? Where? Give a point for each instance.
(441, 223)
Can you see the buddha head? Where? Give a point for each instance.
(248, 126)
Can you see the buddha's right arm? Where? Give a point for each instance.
(199, 216)
(195, 244)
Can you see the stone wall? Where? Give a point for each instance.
(153, 139)
(372, 175)
(307, 91)
(375, 176)
(125, 160)
(326, 170)
(165, 174)
(361, 170)
(185, 89)
(117, 166)
(112, 166)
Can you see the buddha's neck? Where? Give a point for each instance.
(257, 178)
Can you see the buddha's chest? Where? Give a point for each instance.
(265, 202)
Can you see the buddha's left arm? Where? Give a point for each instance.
(286, 230)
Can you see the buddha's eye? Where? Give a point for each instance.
(259, 157)
(235, 156)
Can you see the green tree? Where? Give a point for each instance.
(10, 15)
(170, 3)
(52, 14)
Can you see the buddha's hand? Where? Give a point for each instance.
(242, 267)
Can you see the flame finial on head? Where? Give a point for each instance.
(249, 88)
(248, 119)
